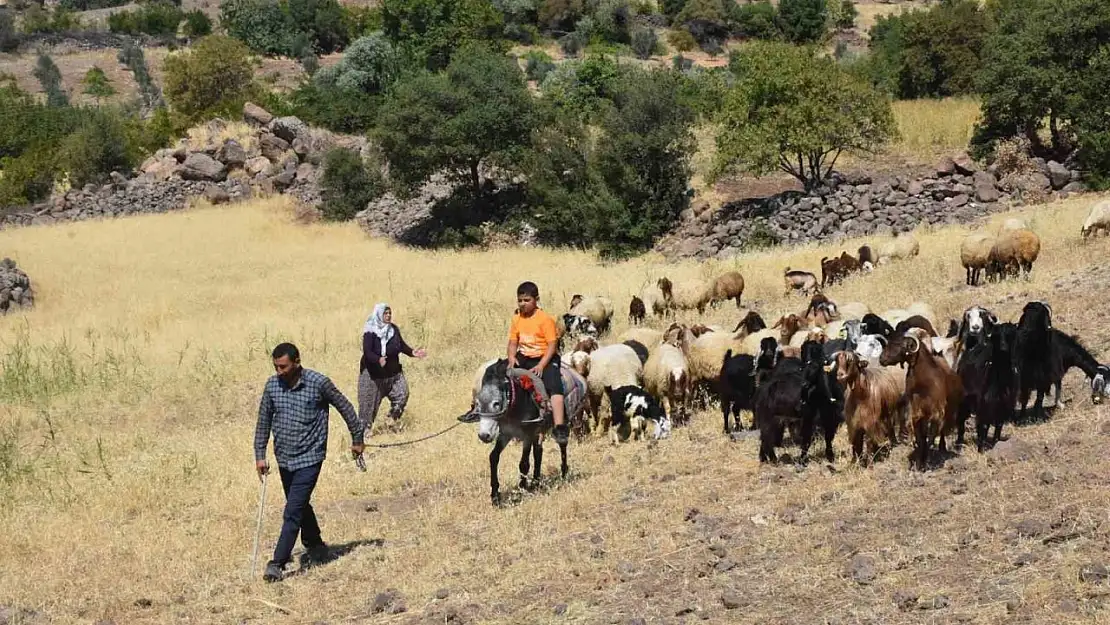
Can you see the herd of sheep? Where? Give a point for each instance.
(889, 377)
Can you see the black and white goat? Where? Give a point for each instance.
(632, 408)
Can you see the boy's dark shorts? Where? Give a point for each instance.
(552, 376)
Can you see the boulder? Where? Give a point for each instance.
(155, 168)
(199, 166)
(257, 165)
(272, 146)
(964, 164)
(306, 173)
(288, 128)
(946, 166)
(1075, 187)
(256, 115)
(1058, 175)
(915, 188)
(283, 180)
(232, 154)
(986, 192)
(217, 195)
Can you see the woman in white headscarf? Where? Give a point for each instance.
(380, 373)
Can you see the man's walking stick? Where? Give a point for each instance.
(258, 526)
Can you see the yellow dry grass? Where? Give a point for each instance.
(130, 393)
(931, 128)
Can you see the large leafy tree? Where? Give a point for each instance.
(803, 21)
(479, 112)
(793, 111)
(1044, 69)
(212, 77)
(434, 29)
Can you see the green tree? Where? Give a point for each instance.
(322, 21)
(932, 53)
(99, 146)
(97, 84)
(211, 78)
(755, 20)
(50, 77)
(263, 25)
(131, 55)
(796, 112)
(803, 21)
(197, 24)
(560, 16)
(479, 112)
(843, 14)
(347, 185)
(707, 21)
(1038, 74)
(432, 30)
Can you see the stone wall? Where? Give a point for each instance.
(15, 287)
(959, 192)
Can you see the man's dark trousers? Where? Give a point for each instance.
(299, 517)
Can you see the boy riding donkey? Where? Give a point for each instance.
(533, 345)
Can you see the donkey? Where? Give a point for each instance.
(501, 403)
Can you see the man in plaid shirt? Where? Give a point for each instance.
(295, 406)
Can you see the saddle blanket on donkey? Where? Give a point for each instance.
(574, 391)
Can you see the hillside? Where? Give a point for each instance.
(129, 397)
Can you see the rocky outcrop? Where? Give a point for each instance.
(402, 219)
(960, 192)
(15, 287)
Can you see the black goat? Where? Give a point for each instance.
(636, 311)
(752, 323)
(796, 395)
(988, 374)
(766, 361)
(1068, 352)
(1034, 349)
(737, 386)
(874, 324)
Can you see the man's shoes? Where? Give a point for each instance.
(273, 572)
(562, 434)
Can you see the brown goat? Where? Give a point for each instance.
(797, 280)
(836, 269)
(667, 287)
(790, 325)
(872, 403)
(933, 392)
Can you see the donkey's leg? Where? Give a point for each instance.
(494, 458)
(563, 456)
(537, 459)
(526, 448)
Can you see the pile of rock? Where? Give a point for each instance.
(400, 219)
(959, 192)
(15, 287)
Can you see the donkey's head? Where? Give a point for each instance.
(493, 400)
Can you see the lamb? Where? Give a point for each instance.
(666, 376)
(975, 253)
(898, 248)
(933, 392)
(636, 311)
(1097, 220)
(598, 309)
(872, 403)
(1013, 250)
(799, 281)
(654, 298)
(737, 388)
(729, 285)
(632, 407)
(613, 365)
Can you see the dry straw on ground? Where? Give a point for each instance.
(128, 404)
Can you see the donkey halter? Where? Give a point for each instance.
(510, 395)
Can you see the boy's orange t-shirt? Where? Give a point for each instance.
(533, 334)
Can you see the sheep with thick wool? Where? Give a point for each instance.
(975, 253)
(1097, 220)
(1013, 251)
(898, 248)
(596, 308)
(667, 377)
(648, 337)
(613, 366)
(688, 295)
(729, 285)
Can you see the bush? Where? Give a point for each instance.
(39, 20)
(347, 185)
(337, 109)
(197, 24)
(98, 147)
(572, 44)
(322, 24)
(560, 16)
(9, 38)
(158, 19)
(843, 14)
(90, 5)
(361, 21)
(755, 20)
(537, 65)
(131, 55)
(97, 84)
(803, 21)
(370, 65)
(212, 78)
(27, 178)
(263, 25)
(644, 43)
(681, 40)
(432, 30)
(50, 77)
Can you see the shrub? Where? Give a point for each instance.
(50, 77)
(320, 22)
(158, 19)
(755, 20)
(573, 43)
(560, 15)
(843, 14)
(644, 43)
(197, 24)
(263, 25)
(612, 21)
(347, 185)
(99, 146)
(362, 21)
(537, 65)
(27, 178)
(706, 22)
(36, 19)
(432, 30)
(337, 109)
(90, 5)
(97, 84)
(131, 55)
(310, 63)
(681, 40)
(213, 77)
(9, 38)
(803, 21)
(369, 65)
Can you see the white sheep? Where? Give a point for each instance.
(667, 376)
(853, 310)
(705, 355)
(613, 366)
(686, 295)
(648, 337)
(975, 252)
(898, 248)
(1098, 219)
(750, 345)
(597, 309)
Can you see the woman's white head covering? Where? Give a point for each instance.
(376, 324)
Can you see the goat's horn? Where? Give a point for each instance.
(916, 344)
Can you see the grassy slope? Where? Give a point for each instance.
(126, 458)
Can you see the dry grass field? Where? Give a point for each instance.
(128, 399)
